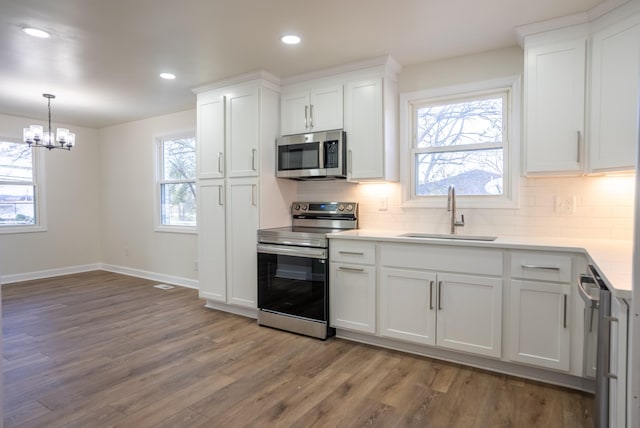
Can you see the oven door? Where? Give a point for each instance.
(293, 281)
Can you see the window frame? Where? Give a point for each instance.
(159, 141)
(39, 193)
(409, 102)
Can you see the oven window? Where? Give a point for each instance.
(299, 156)
(293, 285)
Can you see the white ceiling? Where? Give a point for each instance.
(104, 56)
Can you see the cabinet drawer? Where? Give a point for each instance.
(477, 261)
(542, 266)
(349, 251)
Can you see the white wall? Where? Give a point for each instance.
(72, 238)
(604, 206)
(129, 241)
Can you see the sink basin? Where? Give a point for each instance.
(446, 236)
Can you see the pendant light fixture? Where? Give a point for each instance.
(35, 135)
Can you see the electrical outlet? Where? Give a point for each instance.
(195, 265)
(565, 204)
(383, 204)
(126, 251)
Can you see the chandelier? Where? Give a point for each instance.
(36, 136)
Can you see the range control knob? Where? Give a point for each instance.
(304, 207)
(296, 207)
(350, 207)
(340, 207)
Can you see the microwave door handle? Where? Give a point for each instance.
(322, 147)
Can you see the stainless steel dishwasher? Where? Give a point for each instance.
(597, 297)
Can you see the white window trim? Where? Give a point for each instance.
(157, 211)
(39, 183)
(511, 181)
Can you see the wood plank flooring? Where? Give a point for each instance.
(100, 349)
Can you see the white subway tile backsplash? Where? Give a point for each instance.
(604, 208)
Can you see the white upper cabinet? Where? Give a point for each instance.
(554, 107)
(365, 129)
(614, 96)
(588, 70)
(242, 133)
(211, 145)
(312, 110)
(228, 132)
(362, 101)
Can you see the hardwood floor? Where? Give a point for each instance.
(105, 350)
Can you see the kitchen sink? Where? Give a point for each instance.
(446, 236)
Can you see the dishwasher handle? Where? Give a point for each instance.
(588, 279)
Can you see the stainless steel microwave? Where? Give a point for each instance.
(319, 155)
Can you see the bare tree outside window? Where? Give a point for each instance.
(177, 182)
(460, 143)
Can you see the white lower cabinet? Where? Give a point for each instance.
(352, 297)
(407, 305)
(539, 327)
(459, 312)
(228, 220)
(470, 314)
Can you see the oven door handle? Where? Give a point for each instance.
(287, 250)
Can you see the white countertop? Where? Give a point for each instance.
(613, 258)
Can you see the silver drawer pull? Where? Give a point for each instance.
(351, 269)
(553, 268)
(611, 376)
(351, 253)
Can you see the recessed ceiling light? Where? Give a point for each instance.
(290, 39)
(168, 76)
(36, 33)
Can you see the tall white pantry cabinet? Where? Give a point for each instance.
(238, 192)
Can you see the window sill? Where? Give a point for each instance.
(8, 230)
(189, 230)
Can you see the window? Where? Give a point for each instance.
(19, 201)
(177, 183)
(461, 137)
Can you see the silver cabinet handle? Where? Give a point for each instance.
(349, 161)
(311, 116)
(430, 295)
(306, 117)
(564, 312)
(351, 253)
(221, 196)
(578, 158)
(439, 295)
(254, 189)
(220, 159)
(351, 269)
(254, 155)
(554, 268)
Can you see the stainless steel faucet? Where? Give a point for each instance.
(451, 206)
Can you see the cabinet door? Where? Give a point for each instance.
(364, 128)
(554, 107)
(294, 113)
(242, 226)
(325, 109)
(211, 240)
(469, 314)
(614, 96)
(539, 330)
(407, 305)
(352, 296)
(242, 133)
(211, 131)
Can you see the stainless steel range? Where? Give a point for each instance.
(293, 267)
